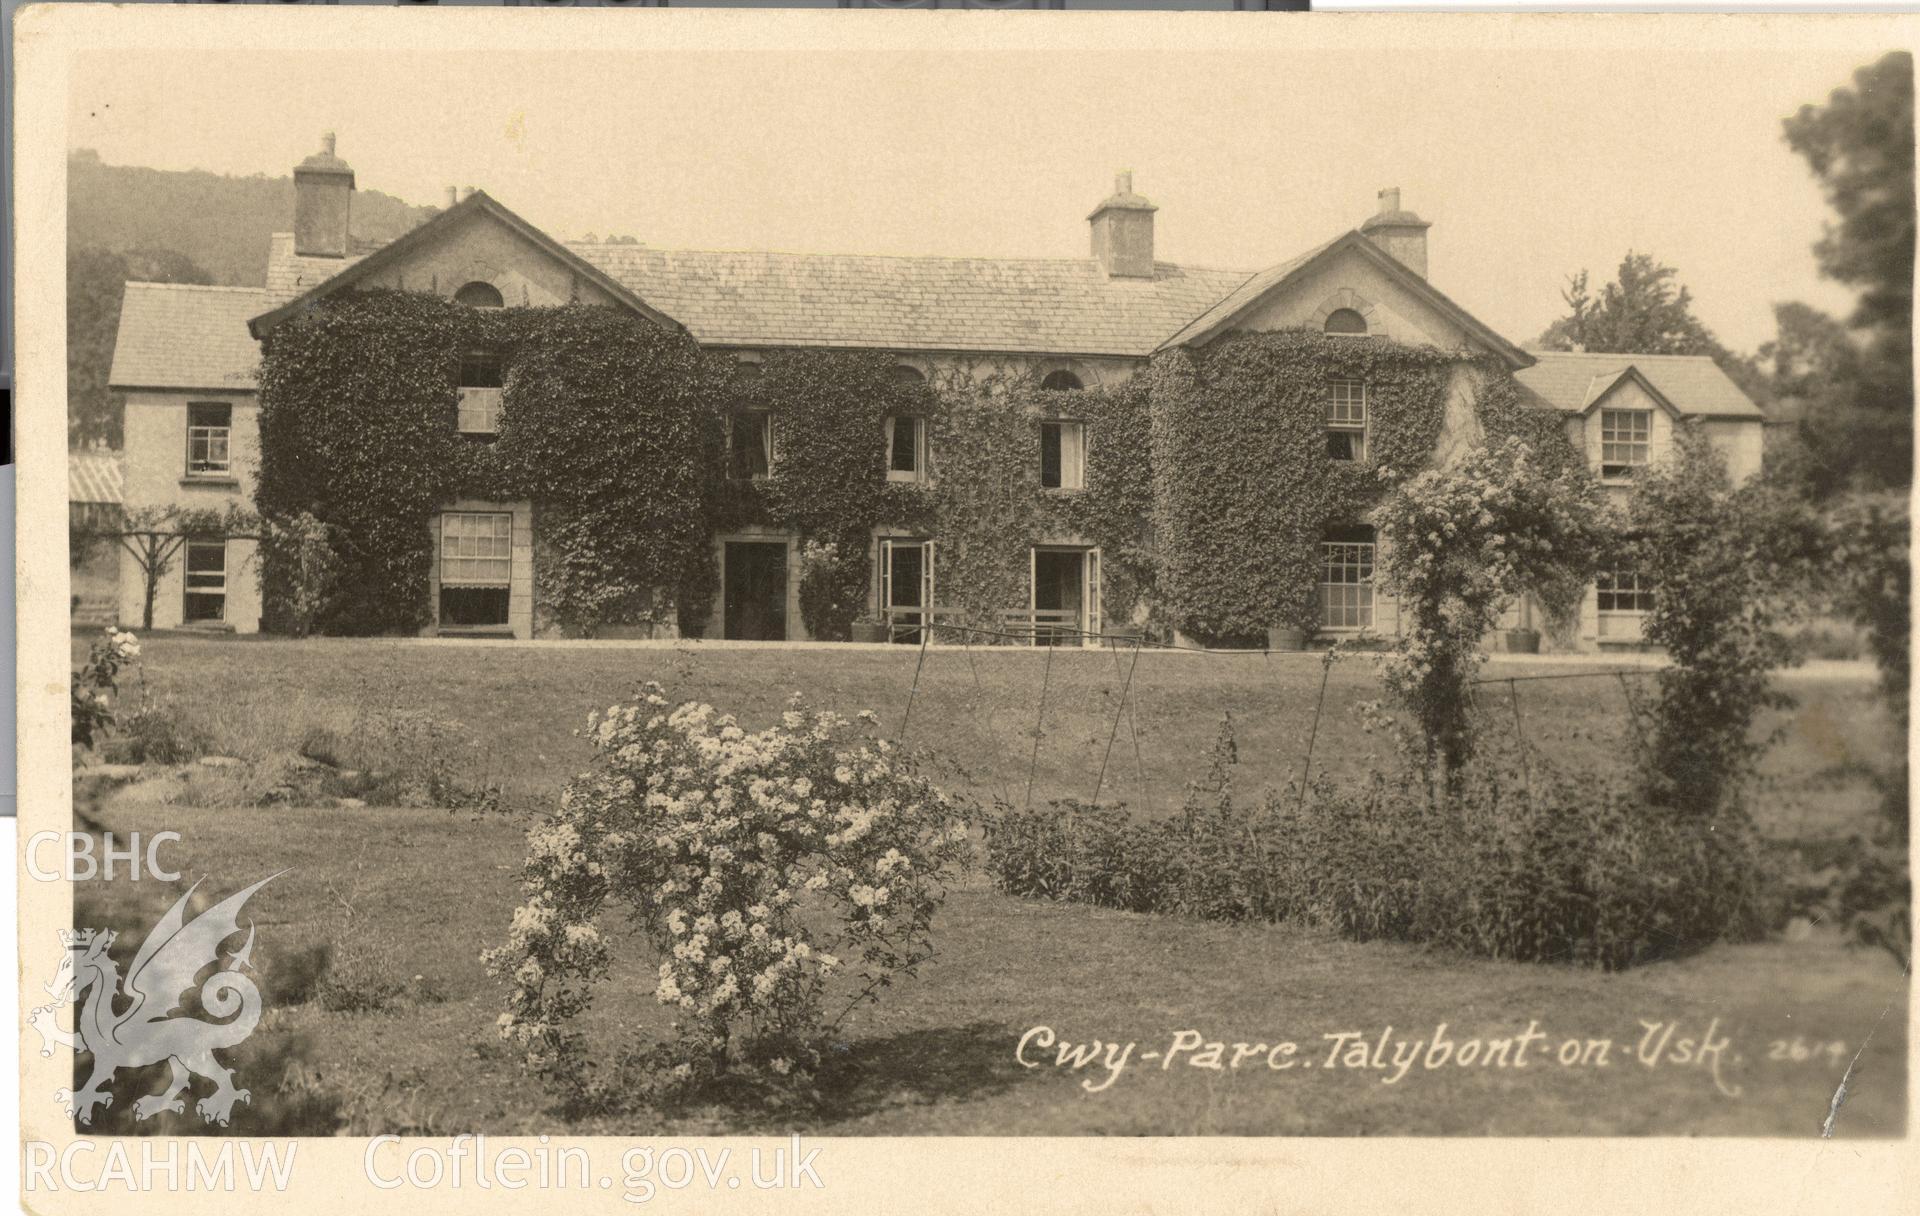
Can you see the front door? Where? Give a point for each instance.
(756, 591)
(1066, 596)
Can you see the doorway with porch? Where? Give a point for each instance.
(754, 581)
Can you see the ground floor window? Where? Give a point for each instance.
(206, 581)
(476, 568)
(1624, 591)
(1346, 579)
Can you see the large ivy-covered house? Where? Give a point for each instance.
(1045, 448)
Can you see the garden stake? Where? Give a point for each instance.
(1326, 669)
(1133, 730)
(980, 703)
(925, 632)
(1038, 717)
(1520, 737)
(1104, 756)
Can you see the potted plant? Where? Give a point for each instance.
(1522, 641)
(869, 628)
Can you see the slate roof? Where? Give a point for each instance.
(1571, 381)
(173, 335)
(1041, 306)
(94, 476)
(290, 275)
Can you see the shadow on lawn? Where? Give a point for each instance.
(917, 1068)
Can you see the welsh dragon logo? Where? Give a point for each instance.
(150, 1026)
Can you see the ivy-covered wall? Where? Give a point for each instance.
(606, 424)
(1208, 486)
(1244, 488)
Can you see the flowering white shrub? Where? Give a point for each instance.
(97, 681)
(1456, 544)
(766, 869)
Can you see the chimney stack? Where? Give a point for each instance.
(453, 197)
(322, 202)
(466, 192)
(1399, 233)
(1122, 231)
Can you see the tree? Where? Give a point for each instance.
(96, 283)
(1646, 310)
(1857, 428)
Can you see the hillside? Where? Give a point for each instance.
(126, 222)
(220, 224)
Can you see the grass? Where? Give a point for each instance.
(511, 713)
(426, 891)
(369, 944)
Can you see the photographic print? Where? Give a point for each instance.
(861, 576)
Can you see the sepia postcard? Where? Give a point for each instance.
(1029, 611)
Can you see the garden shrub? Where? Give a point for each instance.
(300, 550)
(96, 684)
(757, 865)
(1733, 569)
(1530, 865)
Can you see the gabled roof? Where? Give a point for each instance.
(1603, 385)
(94, 476)
(1012, 305)
(1692, 385)
(177, 336)
(1220, 317)
(352, 270)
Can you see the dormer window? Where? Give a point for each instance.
(1625, 440)
(1346, 323)
(1347, 420)
(478, 413)
(478, 294)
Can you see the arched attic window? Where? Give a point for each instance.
(906, 373)
(478, 294)
(1062, 381)
(1346, 322)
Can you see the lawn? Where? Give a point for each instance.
(421, 893)
(511, 712)
(414, 895)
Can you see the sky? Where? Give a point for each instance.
(1530, 164)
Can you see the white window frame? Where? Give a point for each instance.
(209, 440)
(765, 419)
(479, 410)
(211, 583)
(1356, 597)
(485, 567)
(889, 545)
(1073, 453)
(1090, 606)
(1347, 414)
(1634, 443)
(921, 470)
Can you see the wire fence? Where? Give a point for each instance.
(1031, 727)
